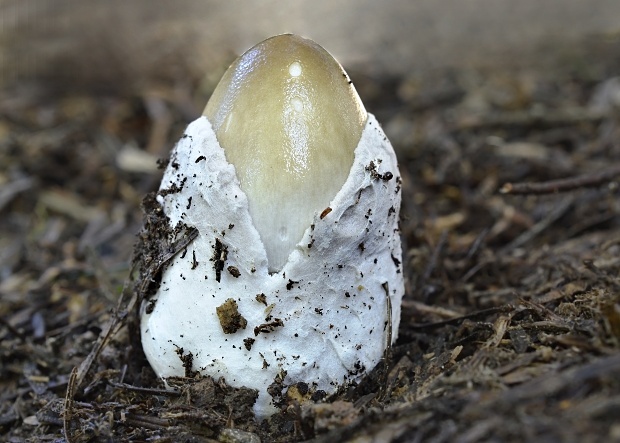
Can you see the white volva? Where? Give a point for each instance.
(303, 295)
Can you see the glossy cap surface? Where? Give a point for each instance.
(289, 120)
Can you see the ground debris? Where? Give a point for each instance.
(510, 327)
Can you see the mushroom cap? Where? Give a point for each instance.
(289, 120)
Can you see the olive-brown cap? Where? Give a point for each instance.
(289, 120)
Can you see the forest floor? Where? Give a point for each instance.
(510, 327)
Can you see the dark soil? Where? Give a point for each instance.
(511, 322)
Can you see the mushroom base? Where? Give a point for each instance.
(324, 319)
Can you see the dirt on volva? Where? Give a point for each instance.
(510, 220)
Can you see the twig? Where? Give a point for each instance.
(424, 309)
(157, 266)
(128, 300)
(155, 391)
(557, 118)
(454, 321)
(148, 422)
(564, 185)
(539, 227)
(432, 264)
(68, 406)
(387, 354)
(474, 270)
(476, 245)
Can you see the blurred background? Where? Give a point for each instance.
(473, 94)
(110, 43)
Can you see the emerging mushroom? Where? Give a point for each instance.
(295, 275)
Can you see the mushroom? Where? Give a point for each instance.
(295, 275)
